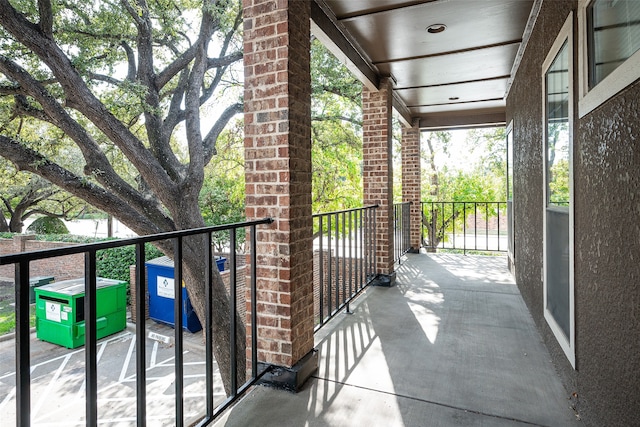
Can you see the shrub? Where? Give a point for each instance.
(48, 225)
(114, 263)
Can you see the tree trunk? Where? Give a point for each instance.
(195, 278)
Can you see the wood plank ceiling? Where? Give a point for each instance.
(450, 60)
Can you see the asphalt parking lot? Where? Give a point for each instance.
(57, 380)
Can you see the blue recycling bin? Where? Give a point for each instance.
(220, 263)
(161, 288)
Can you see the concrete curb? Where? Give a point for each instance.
(12, 335)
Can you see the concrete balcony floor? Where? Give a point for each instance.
(452, 344)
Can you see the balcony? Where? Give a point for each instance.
(451, 344)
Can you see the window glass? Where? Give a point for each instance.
(557, 98)
(613, 35)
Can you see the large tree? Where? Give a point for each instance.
(133, 85)
(24, 195)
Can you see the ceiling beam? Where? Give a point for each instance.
(444, 122)
(450, 52)
(326, 28)
(462, 82)
(404, 115)
(383, 9)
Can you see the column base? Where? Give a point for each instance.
(414, 250)
(384, 280)
(290, 379)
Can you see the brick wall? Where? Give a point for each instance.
(377, 168)
(411, 182)
(277, 102)
(61, 268)
(351, 276)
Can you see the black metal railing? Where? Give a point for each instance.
(344, 259)
(401, 230)
(466, 226)
(177, 238)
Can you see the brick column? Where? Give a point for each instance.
(411, 185)
(378, 170)
(277, 102)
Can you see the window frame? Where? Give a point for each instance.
(567, 343)
(619, 79)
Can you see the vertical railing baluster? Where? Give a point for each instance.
(443, 225)
(464, 227)
(177, 318)
(254, 304)
(360, 248)
(344, 259)
(453, 210)
(23, 352)
(375, 243)
(208, 326)
(351, 253)
(321, 271)
(90, 337)
(141, 355)
(475, 225)
(486, 225)
(329, 267)
(498, 236)
(233, 299)
(337, 261)
(367, 241)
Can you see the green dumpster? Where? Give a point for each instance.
(60, 310)
(35, 282)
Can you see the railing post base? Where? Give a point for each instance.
(291, 379)
(384, 280)
(348, 309)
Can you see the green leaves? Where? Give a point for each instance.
(336, 133)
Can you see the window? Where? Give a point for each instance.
(558, 219)
(609, 49)
(557, 108)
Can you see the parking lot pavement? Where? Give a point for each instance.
(57, 380)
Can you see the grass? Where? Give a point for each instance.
(8, 319)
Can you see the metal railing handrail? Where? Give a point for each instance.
(401, 230)
(22, 333)
(438, 226)
(343, 270)
(109, 244)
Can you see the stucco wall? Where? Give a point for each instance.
(607, 233)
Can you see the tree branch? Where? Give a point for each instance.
(105, 78)
(46, 17)
(29, 160)
(78, 94)
(131, 61)
(209, 142)
(97, 162)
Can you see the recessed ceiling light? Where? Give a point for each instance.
(436, 28)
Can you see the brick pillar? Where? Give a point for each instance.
(378, 170)
(411, 185)
(277, 103)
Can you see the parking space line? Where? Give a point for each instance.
(7, 399)
(125, 365)
(53, 381)
(154, 354)
(84, 382)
